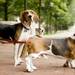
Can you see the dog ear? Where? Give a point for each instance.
(35, 16)
(23, 16)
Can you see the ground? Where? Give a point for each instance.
(50, 66)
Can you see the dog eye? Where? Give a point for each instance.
(32, 12)
(25, 13)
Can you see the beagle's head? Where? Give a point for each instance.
(28, 16)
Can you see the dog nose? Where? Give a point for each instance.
(30, 16)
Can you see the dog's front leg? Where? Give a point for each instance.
(20, 50)
(17, 58)
(29, 62)
(16, 48)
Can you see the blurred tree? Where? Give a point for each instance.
(55, 13)
(6, 10)
(72, 9)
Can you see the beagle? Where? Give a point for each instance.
(40, 46)
(29, 22)
(35, 47)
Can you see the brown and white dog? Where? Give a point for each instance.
(35, 47)
(30, 21)
(64, 47)
(40, 46)
(70, 54)
(29, 24)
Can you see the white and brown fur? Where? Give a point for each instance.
(30, 21)
(64, 47)
(40, 46)
(35, 47)
(20, 32)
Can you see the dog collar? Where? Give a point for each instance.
(25, 27)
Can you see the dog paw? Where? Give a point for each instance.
(70, 64)
(33, 67)
(29, 70)
(18, 62)
(66, 64)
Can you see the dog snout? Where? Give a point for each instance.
(30, 16)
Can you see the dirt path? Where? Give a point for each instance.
(51, 66)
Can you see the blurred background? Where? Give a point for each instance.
(55, 15)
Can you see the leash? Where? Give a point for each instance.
(11, 41)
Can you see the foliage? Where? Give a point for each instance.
(57, 11)
(53, 12)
